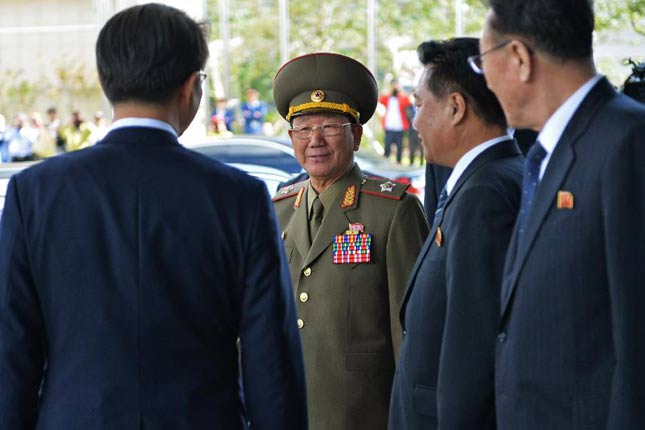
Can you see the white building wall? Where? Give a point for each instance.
(41, 38)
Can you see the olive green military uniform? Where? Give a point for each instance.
(348, 313)
(348, 277)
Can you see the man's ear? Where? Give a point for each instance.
(457, 105)
(187, 89)
(357, 131)
(523, 60)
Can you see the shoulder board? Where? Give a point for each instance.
(385, 188)
(289, 191)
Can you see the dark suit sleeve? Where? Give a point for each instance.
(623, 206)
(21, 323)
(407, 234)
(272, 362)
(474, 263)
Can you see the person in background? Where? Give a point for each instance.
(77, 134)
(253, 112)
(395, 122)
(223, 116)
(44, 144)
(351, 241)
(19, 140)
(571, 340)
(53, 125)
(143, 285)
(99, 127)
(449, 312)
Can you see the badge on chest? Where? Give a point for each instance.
(354, 246)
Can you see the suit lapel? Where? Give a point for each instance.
(559, 165)
(502, 149)
(414, 272)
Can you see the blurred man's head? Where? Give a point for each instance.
(252, 94)
(559, 28)
(535, 54)
(146, 53)
(51, 113)
(452, 98)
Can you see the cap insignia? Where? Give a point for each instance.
(318, 96)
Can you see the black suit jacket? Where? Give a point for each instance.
(450, 311)
(571, 348)
(127, 273)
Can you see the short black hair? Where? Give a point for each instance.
(448, 61)
(144, 53)
(560, 28)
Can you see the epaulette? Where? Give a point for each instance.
(289, 191)
(385, 188)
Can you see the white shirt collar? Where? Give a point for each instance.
(468, 158)
(555, 125)
(143, 122)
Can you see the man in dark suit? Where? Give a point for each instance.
(450, 309)
(129, 270)
(571, 344)
(437, 176)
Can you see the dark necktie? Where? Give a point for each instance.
(530, 183)
(440, 204)
(317, 209)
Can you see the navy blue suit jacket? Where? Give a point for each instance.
(571, 347)
(450, 311)
(127, 273)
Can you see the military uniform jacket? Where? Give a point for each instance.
(348, 312)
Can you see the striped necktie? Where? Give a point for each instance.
(440, 204)
(530, 183)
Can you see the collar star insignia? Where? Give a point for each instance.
(387, 187)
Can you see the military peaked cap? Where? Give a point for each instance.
(325, 82)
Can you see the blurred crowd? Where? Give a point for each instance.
(34, 136)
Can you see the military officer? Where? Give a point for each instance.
(350, 240)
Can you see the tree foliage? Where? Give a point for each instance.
(331, 25)
(341, 26)
(612, 15)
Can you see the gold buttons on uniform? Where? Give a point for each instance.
(307, 271)
(283, 235)
(304, 297)
(301, 323)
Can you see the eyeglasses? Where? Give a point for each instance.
(475, 61)
(326, 130)
(202, 76)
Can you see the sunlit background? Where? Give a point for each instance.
(47, 47)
